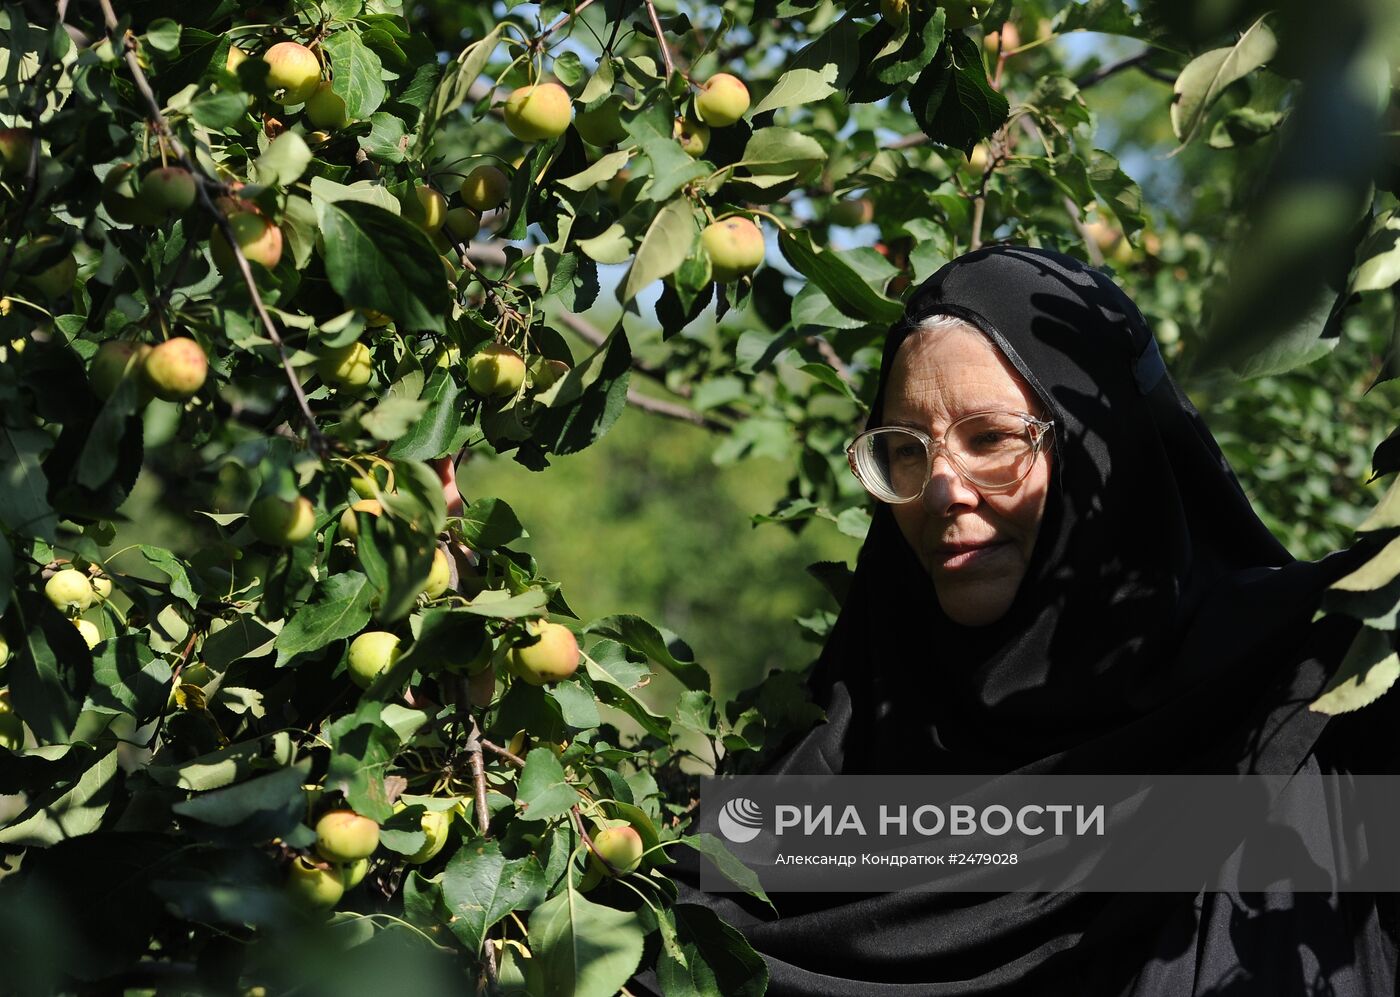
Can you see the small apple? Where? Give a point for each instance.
(345, 836)
(622, 848)
(114, 360)
(69, 590)
(16, 145)
(346, 367)
(315, 884)
(293, 72)
(432, 208)
(236, 56)
(120, 188)
(1007, 39)
(849, 214)
(722, 100)
(735, 247)
(981, 158)
(439, 575)
(102, 588)
(694, 136)
(352, 873)
(601, 126)
(11, 728)
(55, 280)
(495, 371)
(554, 657)
(176, 369)
(168, 190)
(90, 634)
(540, 111)
(326, 109)
(350, 524)
(4, 650)
(463, 223)
(372, 653)
(435, 825)
(485, 188)
(281, 523)
(260, 240)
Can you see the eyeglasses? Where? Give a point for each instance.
(990, 449)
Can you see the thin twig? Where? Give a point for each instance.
(1138, 62)
(162, 127)
(909, 141)
(483, 819)
(829, 354)
(505, 753)
(670, 410)
(583, 833)
(591, 334)
(561, 22)
(661, 39)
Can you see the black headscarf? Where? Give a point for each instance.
(1159, 628)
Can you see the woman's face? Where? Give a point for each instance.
(940, 375)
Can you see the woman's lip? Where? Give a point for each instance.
(958, 557)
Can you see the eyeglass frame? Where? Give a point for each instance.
(1041, 429)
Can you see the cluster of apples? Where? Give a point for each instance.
(73, 592)
(551, 657)
(173, 371)
(345, 841)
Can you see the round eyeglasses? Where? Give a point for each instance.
(989, 449)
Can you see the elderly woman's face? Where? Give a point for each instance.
(940, 375)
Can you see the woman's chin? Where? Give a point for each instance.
(974, 604)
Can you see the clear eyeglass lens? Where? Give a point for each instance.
(993, 450)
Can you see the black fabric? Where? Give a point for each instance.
(1159, 628)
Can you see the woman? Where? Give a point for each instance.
(1097, 596)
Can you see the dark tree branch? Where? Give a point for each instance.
(1138, 62)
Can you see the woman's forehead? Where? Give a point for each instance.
(952, 370)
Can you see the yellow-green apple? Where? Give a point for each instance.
(463, 223)
(115, 359)
(435, 825)
(345, 836)
(371, 654)
(959, 14)
(350, 524)
(621, 847)
(694, 136)
(90, 634)
(15, 147)
(1007, 39)
(69, 590)
(11, 729)
(326, 109)
(722, 100)
(352, 873)
(277, 521)
(849, 214)
(495, 371)
(256, 235)
(314, 884)
(896, 12)
(348, 367)
(547, 373)
(236, 56)
(602, 126)
(432, 208)
(120, 188)
(552, 658)
(485, 188)
(439, 575)
(539, 111)
(293, 72)
(176, 369)
(735, 247)
(101, 588)
(168, 190)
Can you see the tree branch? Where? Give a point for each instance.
(202, 183)
(1138, 62)
(560, 23)
(505, 753)
(670, 410)
(660, 39)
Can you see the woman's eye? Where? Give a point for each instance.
(909, 451)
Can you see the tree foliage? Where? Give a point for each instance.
(242, 273)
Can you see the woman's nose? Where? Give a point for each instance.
(947, 487)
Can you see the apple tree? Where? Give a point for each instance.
(273, 273)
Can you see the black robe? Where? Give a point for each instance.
(1160, 628)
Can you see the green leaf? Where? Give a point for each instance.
(392, 418)
(1380, 256)
(584, 949)
(284, 161)
(434, 433)
(265, 806)
(718, 959)
(456, 82)
(527, 603)
(163, 35)
(50, 668)
(363, 745)
(952, 100)
(101, 451)
(543, 791)
(605, 168)
(220, 110)
(658, 645)
(588, 400)
(174, 569)
(385, 143)
(375, 259)
(841, 284)
(1370, 667)
(66, 811)
(396, 558)
(489, 524)
(24, 503)
(339, 609)
(481, 886)
(734, 870)
(128, 677)
(667, 243)
(356, 74)
(576, 705)
(1205, 77)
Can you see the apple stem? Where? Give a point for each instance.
(315, 439)
(560, 23)
(583, 833)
